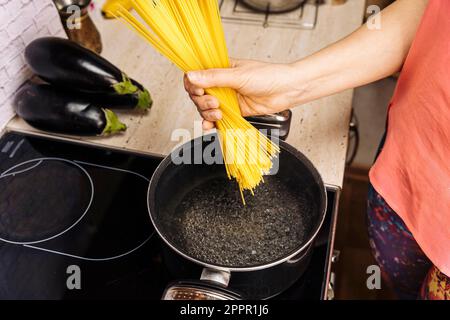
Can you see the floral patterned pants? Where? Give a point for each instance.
(403, 264)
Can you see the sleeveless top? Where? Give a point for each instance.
(412, 172)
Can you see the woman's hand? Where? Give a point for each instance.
(263, 88)
(364, 56)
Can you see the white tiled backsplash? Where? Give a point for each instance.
(21, 21)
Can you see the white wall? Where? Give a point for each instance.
(21, 21)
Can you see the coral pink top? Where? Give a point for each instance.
(412, 172)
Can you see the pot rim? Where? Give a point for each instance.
(283, 146)
(254, 5)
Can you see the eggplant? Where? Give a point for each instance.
(64, 63)
(46, 108)
(113, 101)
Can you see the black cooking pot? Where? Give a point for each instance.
(189, 200)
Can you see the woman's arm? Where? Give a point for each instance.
(362, 57)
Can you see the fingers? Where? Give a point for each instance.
(205, 103)
(196, 81)
(208, 107)
(222, 78)
(208, 125)
(211, 115)
(191, 88)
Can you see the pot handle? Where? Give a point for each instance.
(219, 277)
(211, 286)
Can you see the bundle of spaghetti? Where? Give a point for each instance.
(190, 34)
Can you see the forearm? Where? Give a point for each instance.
(363, 57)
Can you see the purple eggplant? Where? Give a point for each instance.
(47, 108)
(64, 63)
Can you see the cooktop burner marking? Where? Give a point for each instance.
(8, 145)
(110, 258)
(112, 168)
(14, 173)
(39, 161)
(11, 172)
(13, 153)
(92, 259)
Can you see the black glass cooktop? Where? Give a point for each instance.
(74, 225)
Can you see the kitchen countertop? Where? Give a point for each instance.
(319, 129)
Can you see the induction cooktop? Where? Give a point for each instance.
(74, 225)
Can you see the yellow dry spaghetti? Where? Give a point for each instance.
(190, 34)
